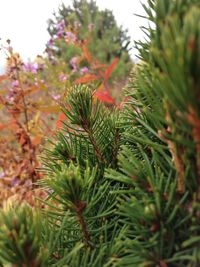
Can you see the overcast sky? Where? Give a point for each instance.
(24, 22)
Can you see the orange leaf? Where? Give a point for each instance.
(110, 68)
(104, 97)
(87, 54)
(59, 122)
(87, 78)
(37, 140)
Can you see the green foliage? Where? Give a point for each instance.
(70, 186)
(123, 185)
(83, 206)
(86, 132)
(160, 161)
(21, 241)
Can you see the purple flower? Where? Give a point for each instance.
(59, 34)
(50, 42)
(10, 98)
(15, 83)
(56, 97)
(61, 25)
(70, 37)
(60, 28)
(84, 70)
(31, 67)
(63, 77)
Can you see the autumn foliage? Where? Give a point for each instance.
(30, 107)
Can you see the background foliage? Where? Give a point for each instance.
(94, 28)
(31, 94)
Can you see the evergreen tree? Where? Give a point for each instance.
(123, 185)
(106, 40)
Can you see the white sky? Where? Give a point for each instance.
(24, 22)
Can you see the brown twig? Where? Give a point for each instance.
(79, 211)
(23, 100)
(93, 142)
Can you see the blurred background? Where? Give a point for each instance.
(25, 23)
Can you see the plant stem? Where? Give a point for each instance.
(24, 102)
(86, 236)
(93, 142)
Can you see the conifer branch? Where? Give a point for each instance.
(79, 211)
(93, 142)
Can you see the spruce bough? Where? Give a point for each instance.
(123, 185)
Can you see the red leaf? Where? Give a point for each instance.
(87, 78)
(87, 54)
(60, 121)
(110, 68)
(104, 97)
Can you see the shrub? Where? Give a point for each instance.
(123, 184)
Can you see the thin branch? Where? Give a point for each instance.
(94, 143)
(24, 102)
(79, 211)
